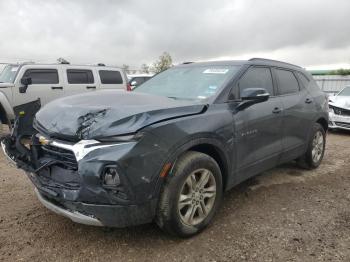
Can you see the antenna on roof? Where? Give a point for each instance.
(101, 64)
(63, 61)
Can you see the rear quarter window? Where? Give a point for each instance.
(110, 77)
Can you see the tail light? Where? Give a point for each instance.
(128, 87)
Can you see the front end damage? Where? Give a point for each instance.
(339, 117)
(103, 182)
(91, 182)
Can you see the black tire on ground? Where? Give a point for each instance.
(169, 217)
(307, 161)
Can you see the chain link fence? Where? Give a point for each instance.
(332, 84)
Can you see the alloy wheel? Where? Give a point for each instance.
(197, 197)
(317, 147)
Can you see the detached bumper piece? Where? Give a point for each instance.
(72, 215)
(99, 215)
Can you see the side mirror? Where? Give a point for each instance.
(255, 94)
(133, 83)
(251, 96)
(25, 81)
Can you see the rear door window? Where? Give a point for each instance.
(257, 77)
(287, 83)
(42, 76)
(110, 77)
(80, 76)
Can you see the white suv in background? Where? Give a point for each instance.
(23, 83)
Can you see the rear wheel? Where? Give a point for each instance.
(316, 148)
(191, 196)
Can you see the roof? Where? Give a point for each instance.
(62, 64)
(252, 61)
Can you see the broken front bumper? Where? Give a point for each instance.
(80, 195)
(99, 215)
(73, 215)
(337, 121)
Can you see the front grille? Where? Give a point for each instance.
(342, 124)
(341, 111)
(64, 157)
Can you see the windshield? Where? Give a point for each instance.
(8, 74)
(188, 83)
(345, 92)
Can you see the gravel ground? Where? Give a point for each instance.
(286, 214)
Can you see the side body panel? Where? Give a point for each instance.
(258, 138)
(46, 92)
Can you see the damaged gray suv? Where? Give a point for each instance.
(167, 151)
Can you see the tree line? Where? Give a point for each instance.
(163, 63)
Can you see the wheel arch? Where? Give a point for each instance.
(217, 154)
(323, 122)
(3, 116)
(211, 147)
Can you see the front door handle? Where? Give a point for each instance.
(308, 101)
(277, 110)
(56, 87)
(91, 87)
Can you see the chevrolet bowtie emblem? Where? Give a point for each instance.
(43, 140)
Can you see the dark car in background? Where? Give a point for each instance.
(167, 151)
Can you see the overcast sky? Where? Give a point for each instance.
(304, 32)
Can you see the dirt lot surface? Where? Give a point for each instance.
(286, 214)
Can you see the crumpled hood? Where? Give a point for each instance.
(109, 113)
(340, 101)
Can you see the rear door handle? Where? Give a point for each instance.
(91, 87)
(277, 110)
(56, 87)
(308, 101)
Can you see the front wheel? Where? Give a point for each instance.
(191, 196)
(316, 148)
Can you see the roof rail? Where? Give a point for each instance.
(270, 60)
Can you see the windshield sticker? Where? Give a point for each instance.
(212, 87)
(215, 71)
(14, 69)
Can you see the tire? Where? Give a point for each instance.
(191, 168)
(316, 148)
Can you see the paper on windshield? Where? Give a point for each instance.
(215, 71)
